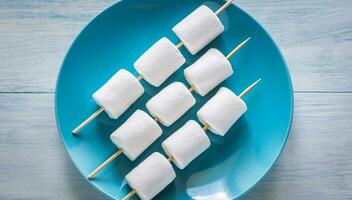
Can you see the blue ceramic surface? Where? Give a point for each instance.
(115, 39)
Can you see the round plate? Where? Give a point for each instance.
(115, 39)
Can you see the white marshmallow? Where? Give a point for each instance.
(136, 134)
(198, 29)
(208, 71)
(171, 103)
(222, 111)
(119, 93)
(159, 62)
(151, 176)
(186, 144)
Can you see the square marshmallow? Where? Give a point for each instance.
(222, 111)
(159, 62)
(186, 144)
(208, 71)
(136, 134)
(198, 29)
(151, 176)
(119, 93)
(171, 103)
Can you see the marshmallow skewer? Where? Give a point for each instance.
(176, 89)
(115, 155)
(154, 58)
(88, 120)
(194, 142)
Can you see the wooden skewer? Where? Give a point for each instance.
(89, 119)
(156, 119)
(129, 195)
(191, 89)
(179, 45)
(94, 115)
(170, 158)
(249, 88)
(115, 155)
(140, 77)
(206, 127)
(223, 7)
(237, 48)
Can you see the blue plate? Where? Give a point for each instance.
(115, 39)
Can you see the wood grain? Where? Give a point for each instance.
(34, 38)
(34, 162)
(316, 163)
(315, 38)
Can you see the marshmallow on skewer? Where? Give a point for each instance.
(132, 138)
(198, 29)
(151, 176)
(136, 134)
(171, 103)
(208, 71)
(187, 143)
(222, 111)
(119, 93)
(159, 62)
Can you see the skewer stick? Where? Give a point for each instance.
(115, 155)
(179, 45)
(170, 158)
(156, 119)
(191, 89)
(249, 88)
(129, 195)
(140, 77)
(206, 127)
(94, 115)
(237, 48)
(223, 7)
(89, 119)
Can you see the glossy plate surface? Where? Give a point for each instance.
(116, 38)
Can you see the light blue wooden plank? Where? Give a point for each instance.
(315, 37)
(316, 163)
(34, 38)
(34, 163)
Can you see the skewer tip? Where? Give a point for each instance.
(90, 177)
(89, 119)
(223, 7)
(238, 47)
(249, 88)
(256, 82)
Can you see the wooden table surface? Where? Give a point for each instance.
(314, 36)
